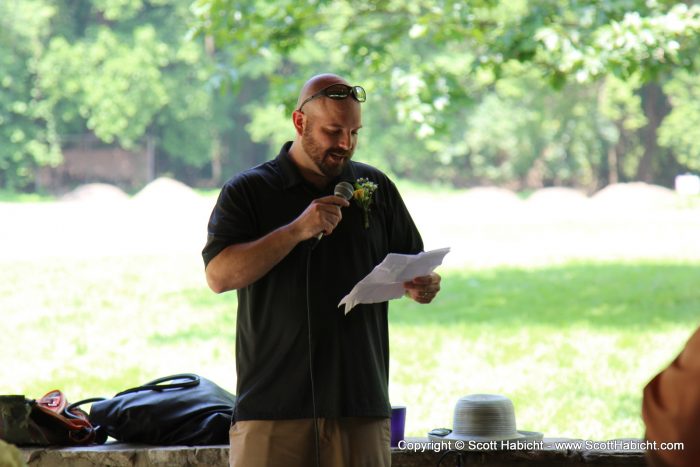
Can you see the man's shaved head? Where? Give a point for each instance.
(326, 130)
(316, 83)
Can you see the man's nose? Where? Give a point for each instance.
(345, 141)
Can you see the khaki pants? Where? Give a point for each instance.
(344, 442)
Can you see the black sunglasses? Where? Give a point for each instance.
(339, 91)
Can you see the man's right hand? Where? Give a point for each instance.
(321, 216)
(241, 264)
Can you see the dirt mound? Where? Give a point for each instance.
(557, 197)
(488, 197)
(166, 191)
(96, 192)
(635, 195)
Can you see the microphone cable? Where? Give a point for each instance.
(312, 245)
(344, 190)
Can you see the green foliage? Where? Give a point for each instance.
(586, 40)
(27, 127)
(519, 132)
(130, 77)
(7, 196)
(116, 10)
(267, 122)
(520, 93)
(430, 68)
(680, 130)
(118, 81)
(564, 39)
(121, 70)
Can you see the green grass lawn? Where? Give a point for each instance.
(12, 197)
(572, 345)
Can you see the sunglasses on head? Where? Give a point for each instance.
(338, 92)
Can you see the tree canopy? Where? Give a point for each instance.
(469, 85)
(565, 39)
(120, 70)
(520, 93)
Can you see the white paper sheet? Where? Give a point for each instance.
(385, 282)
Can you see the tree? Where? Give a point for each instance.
(130, 73)
(431, 63)
(566, 39)
(680, 130)
(447, 82)
(27, 126)
(125, 71)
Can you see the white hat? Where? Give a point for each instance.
(483, 418)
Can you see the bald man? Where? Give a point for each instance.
(312, 382)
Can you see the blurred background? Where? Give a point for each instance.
(554, 145)
(519, 94)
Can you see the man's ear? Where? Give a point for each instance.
(298, 120)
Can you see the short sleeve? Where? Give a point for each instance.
(232, 220)
(403, 233)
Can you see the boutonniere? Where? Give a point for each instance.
(364, 195)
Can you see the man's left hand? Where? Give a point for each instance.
(423, 289)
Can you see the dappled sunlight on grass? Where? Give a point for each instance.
(631, 294)
(567, 313)
(96, 327)
(565, 382)
(570, 345)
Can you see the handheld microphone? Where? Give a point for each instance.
(343, 190)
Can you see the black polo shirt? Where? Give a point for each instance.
(350, 352)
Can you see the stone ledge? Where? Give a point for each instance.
(128, 455)
(423, 454)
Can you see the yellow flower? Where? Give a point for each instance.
(364, 189)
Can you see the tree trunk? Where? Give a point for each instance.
(150, 157)
(216, 169)
(216, 147)
(656, 107)
(613, 175)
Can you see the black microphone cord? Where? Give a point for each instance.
(344, 190)
(312, 245)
